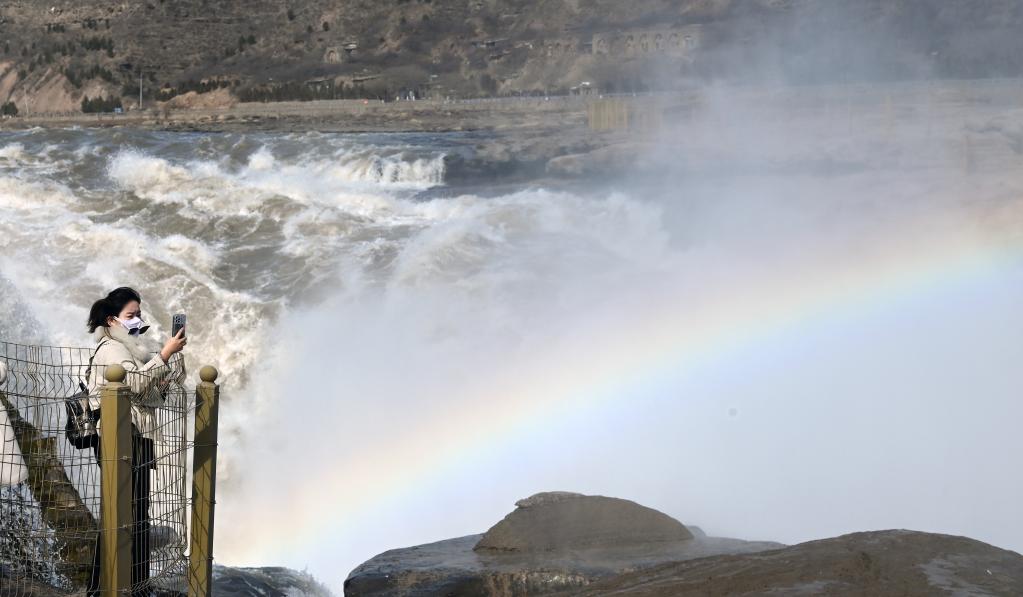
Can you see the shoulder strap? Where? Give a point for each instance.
(88, 372)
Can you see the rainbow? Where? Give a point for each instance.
(755, 309)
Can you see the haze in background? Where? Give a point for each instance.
(812, 333)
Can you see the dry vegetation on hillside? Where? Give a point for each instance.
(55, 53)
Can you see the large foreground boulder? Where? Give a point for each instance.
(562, 520)
(903, 563)
(542, 549)
(552, 541)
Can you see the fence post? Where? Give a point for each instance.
(115, 490)
(204, 484)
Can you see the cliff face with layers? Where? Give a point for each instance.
(54, 53)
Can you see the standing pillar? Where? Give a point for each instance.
(115, 488)
(204, 484)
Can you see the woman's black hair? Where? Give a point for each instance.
(110, 306)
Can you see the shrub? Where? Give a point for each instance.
(488, 84)
(100, 104)
(297, 91)
(9, 109)
(99, 43)
(77, 77)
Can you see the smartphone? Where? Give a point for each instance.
(177, 322)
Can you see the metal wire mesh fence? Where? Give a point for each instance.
(50, 489)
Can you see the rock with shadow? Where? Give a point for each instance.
(549, 543)
(569, 544)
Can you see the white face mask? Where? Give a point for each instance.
(135, 326)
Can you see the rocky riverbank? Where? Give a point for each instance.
(570, 544)
(515, 139)
(551, 542)
(340, 116)
(690, 133)
(898, 562)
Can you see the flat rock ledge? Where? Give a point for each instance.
(561, 520)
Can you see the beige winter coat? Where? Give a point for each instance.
(147, 375)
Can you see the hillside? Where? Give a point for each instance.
(55, 53)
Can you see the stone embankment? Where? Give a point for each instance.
(333, 116)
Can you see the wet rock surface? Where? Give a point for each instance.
(452, 567)
(550, 543)
(904, 563)
(569, 544)
(227, 582)
(270, 582)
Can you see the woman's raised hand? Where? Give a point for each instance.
(174, 345)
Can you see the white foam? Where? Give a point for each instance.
(389, 170)
(150, 177)
(239, 242)
(12, 152)
(261, 160)
(60, 260)
(28, 197)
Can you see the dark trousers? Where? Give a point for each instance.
(142, 462)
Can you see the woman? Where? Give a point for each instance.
(117, 326)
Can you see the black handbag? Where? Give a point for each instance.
(82, 420)
(80, 429)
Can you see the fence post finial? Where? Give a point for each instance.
(204, 483)
(208, 374)
(115, 373)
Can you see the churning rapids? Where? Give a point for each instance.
(237, 228)
(402, 359)
(249, 233)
